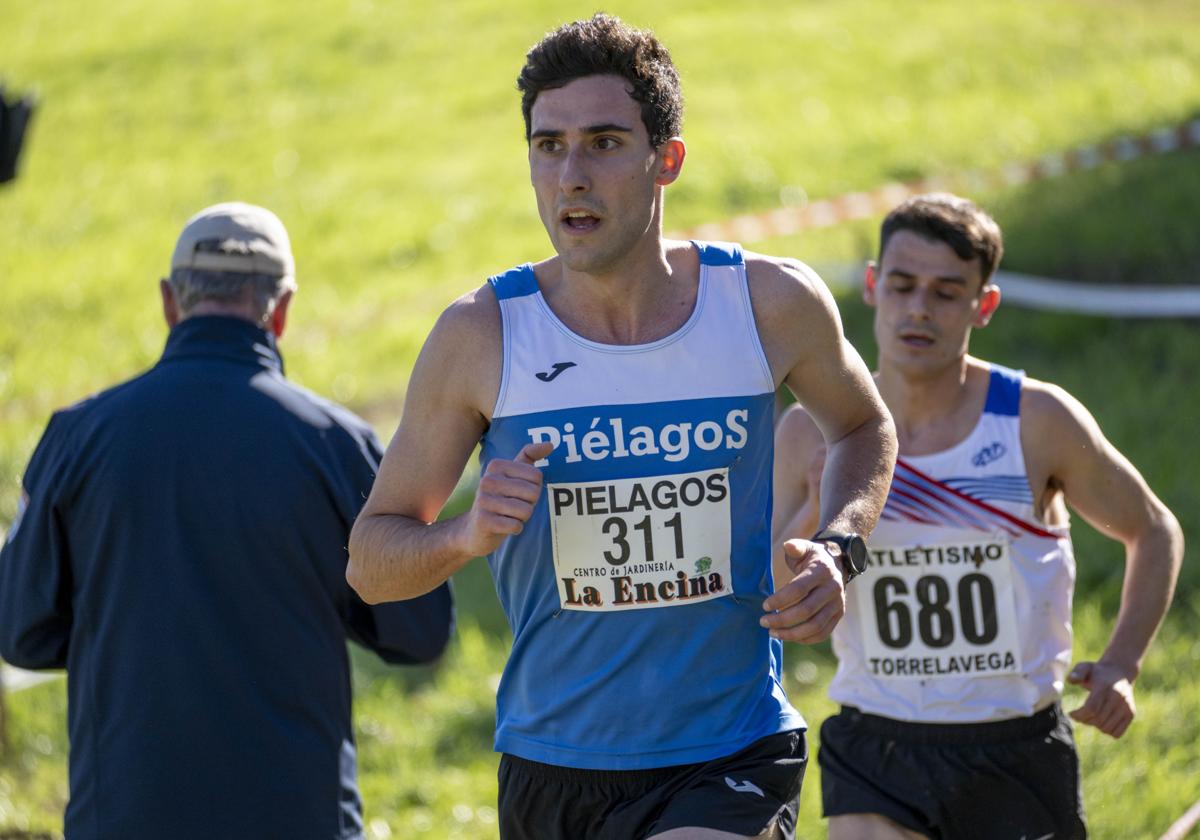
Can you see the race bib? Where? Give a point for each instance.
(640, 543)
(939, 611)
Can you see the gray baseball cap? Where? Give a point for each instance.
(235, 237)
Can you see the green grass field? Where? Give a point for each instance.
(388, 138)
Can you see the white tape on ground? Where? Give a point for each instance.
(1054, 295)
(1092, 299)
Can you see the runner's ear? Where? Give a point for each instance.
(670, 161)
(989, 299)
(870, 277)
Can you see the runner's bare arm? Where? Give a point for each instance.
(802, 337)
(799, 462)
(1068, 454)
(397, 550)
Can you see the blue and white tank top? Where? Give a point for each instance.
(964, 614)
(635, 590)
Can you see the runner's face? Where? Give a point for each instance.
(594, 173)
(927, 299)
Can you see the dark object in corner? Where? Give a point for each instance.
(14, 119)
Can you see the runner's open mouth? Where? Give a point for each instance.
(580, 220)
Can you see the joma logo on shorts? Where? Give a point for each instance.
(674, 441)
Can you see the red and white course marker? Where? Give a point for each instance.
(826, 212)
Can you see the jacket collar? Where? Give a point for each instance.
(223, 337)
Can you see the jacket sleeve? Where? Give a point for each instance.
(35, 567)
(409, 632)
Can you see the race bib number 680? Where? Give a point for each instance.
(638, 543)
(939, 611)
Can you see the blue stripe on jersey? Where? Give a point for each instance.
(687, 435)
(1004, 392)
(516, 282)
(521, 281)
(1006, 488)
(719, 253)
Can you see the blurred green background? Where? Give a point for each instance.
(388, 137)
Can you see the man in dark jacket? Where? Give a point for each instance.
(180, 549)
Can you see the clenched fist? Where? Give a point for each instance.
(504, 501)
(809, 606)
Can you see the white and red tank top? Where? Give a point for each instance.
(964, 614)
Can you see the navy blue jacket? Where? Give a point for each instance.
(182, 554)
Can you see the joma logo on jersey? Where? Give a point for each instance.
(988, 454)
(674, 441)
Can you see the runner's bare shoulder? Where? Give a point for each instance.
(783, 282)
(463, 355)
(1052, 419)
(793, 309)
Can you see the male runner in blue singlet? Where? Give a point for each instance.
(955, 645)
(623, 393)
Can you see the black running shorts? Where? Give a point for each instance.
(976, 781)
(746, 793)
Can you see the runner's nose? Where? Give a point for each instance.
(574, 179)
(919, 305)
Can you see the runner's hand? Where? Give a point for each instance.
(504, 500)
(1109, 706)
(806, 609)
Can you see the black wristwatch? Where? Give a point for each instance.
(850, 550)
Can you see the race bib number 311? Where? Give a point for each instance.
(939, 611)
(638, 543)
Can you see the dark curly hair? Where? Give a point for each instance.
(600, 46)
(959, 222)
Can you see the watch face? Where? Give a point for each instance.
(850, 546)
(856, 550)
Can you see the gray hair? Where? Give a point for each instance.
(193, 285)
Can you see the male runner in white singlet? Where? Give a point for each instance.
(623, 395)
(956, 641)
